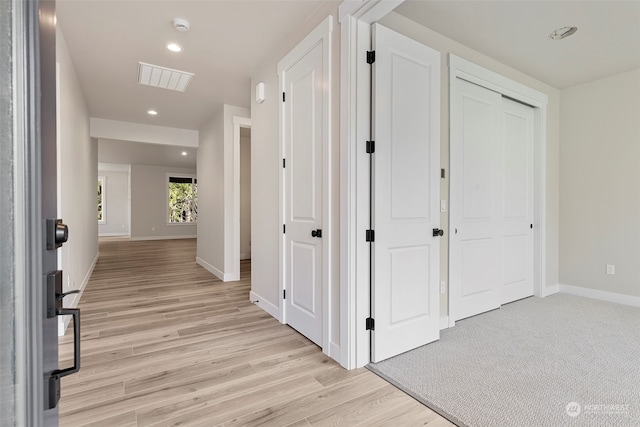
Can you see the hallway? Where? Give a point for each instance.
(166, 343)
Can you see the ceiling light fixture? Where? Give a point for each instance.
(174, 47)
(181, 25)
(184, 153)
(563, 32)
(152, 112)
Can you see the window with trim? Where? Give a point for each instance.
(102, 216)
(183, 198)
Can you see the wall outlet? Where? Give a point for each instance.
(611, 269)
(443, 287)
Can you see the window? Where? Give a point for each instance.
(183, 199)
(102, 215)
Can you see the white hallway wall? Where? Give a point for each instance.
(266, 224)
(215, 186)
(600, 185)
(78, 174)
(149, 204)
(116, 203)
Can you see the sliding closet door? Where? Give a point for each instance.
(491, 242)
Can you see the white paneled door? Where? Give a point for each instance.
(491, 252)
(406, 192)
(303, 175)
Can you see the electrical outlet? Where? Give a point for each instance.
(443, 287)
(611, 269)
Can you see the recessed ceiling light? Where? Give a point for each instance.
(174, 47)
(152, 112)
(563, 32)
(184, 153)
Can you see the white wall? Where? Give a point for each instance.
(78, 174)
(149, 204)
(600, 184)
(445, 46)
(266, 224)
(210, 246)
(115, 203)
(245, 197)
(215, 192)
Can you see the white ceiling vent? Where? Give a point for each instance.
(165, 78)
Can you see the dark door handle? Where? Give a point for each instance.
(316, 233)
(60, 296)
(57, 233)
(438, 232)
(75, 312)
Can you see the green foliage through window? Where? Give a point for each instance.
(183, 199)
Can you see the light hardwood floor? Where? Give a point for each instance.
(166, 343)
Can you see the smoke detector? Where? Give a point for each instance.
(181, 25)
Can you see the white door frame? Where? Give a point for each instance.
(238, 123)
(355, 78)
(460, 68)
(321, 34)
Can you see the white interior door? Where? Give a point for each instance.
(491, 245)
(303, 139)
(406, 191)
(475, 195)
(517, 206)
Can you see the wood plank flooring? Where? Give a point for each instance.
(165, 343)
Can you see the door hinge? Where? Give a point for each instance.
(284, 228)
(370, 324)
(371, 57)
(371, 147)
(284, 294)
(283, 97)
(371, 236)
(284, 163)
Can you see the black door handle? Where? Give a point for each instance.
(438, 232)
(316, 233)
(75, 312)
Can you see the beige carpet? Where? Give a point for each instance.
(558, 361)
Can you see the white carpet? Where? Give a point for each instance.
(558, 361)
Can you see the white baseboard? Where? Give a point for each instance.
(444, 322)
(265, 305)
(211, 269)
(600, 295)
(550, 290)
(246, 255)
(64, 321)
(113, 234)
(163, 237)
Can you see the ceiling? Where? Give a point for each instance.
(515, 32)
(227, 42)
(230, 39)
(142, 153)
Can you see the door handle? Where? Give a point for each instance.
(75, 313)
(438, 232)
(316, 233)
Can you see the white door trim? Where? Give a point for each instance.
(466, 70)
(238, 123)
(355, 121)
(321, 34)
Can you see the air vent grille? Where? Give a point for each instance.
(165, 78)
